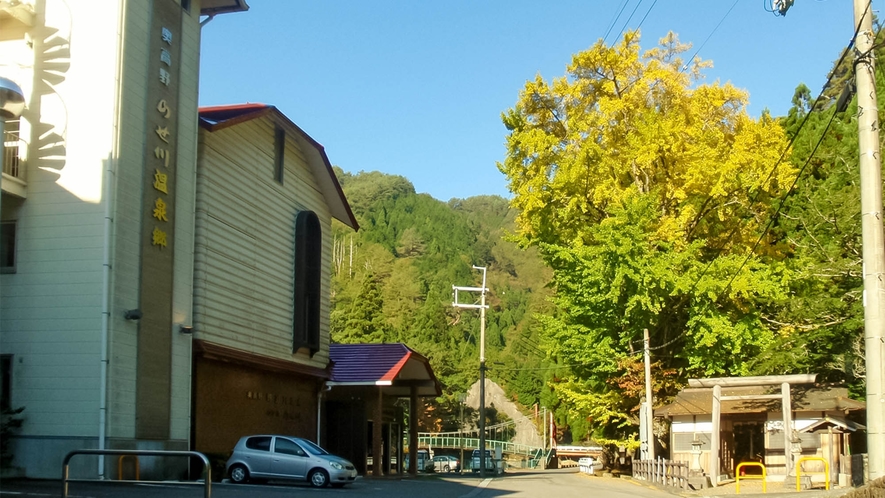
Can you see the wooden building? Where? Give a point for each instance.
(822, 421)
(265, 199)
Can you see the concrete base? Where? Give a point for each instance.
(804, 482)
(700, 482)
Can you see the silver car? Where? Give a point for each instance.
(286, 457)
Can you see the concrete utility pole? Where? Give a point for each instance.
(482, 360)
(650, 411)
(873, 246)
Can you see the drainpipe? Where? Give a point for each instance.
(319, 403)
(323, 388)
(109, 180)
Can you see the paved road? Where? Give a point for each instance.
(563, 484)
(555, 483)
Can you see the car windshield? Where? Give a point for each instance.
(316, 450)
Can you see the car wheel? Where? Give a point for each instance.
(318, 478)
(239, 474)
(446, 469)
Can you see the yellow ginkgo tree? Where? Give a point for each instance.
(648, 192)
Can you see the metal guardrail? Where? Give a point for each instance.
(207, 469)
(432, 440)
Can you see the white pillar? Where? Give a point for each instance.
(714, 437)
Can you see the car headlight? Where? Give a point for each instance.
(336, 465)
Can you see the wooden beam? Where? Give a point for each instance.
(377, 444)
(413, 431)
(413, 382)
(751, 396)
(764, 380)
(787, 408)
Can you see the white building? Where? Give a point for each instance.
(98, 202)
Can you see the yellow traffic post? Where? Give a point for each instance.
(819, 459)
(738, 476)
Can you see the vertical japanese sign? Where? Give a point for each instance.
(153, 376)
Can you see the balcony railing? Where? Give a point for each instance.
(12, 154)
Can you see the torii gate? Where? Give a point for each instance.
(767, 380)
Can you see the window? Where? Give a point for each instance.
(7, 247)
(261, 443)
(287, 447)
(5, 381)
(279, 153)
(308, 274)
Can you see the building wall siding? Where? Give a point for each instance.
(90, 118)
(50, 314)
(245, 241)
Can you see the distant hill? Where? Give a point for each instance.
(392, 282)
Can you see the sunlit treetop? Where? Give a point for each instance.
(622, 123)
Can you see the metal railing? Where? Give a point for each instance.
(207, 469)
(11, 154)
(799, 471)
(738, 475)
(453, 440)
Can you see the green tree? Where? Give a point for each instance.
(645, 191)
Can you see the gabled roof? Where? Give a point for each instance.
(699, 401)
(213, 7)
(393, 367)
(216, 118)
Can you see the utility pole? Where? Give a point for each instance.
(482, 360)
(873, 248)
(649, 409)
(871, 224)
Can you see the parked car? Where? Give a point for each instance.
(287, 457)
(425, 463)
(489, 461)
(446, 463)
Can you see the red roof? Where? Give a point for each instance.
(394, 365)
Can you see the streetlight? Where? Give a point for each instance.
(12, 103)
(482, 360)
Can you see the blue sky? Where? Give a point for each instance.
(416, 88)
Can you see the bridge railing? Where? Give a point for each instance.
(453, 440)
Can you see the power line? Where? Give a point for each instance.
(709, 36)
(614, 20)
(629, 18)
(771, 221)
(774, 168)
(646, 14)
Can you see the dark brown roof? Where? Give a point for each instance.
(699, 401)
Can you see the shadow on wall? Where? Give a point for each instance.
(52, 54)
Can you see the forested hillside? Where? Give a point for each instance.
(392, 282)
(643, 198)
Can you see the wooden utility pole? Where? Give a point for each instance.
(873, 245)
